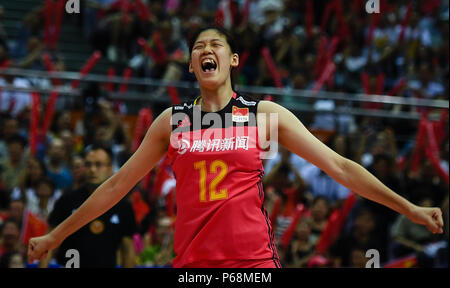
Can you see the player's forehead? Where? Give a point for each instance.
(210, 35)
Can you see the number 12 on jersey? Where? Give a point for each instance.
(218, 167)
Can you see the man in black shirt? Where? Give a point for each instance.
(98, 242)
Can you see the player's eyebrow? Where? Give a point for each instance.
(212, 40)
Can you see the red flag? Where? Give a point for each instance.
(406, 262)
(140, 207)
(33, 226)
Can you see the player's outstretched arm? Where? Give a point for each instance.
(152, 149)
(293, 135)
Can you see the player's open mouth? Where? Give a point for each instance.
(209, 65)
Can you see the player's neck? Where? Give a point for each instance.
(215, 100)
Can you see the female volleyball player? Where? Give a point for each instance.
(221, 221)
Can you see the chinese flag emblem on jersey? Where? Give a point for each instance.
(240, 114)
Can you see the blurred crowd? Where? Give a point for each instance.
(325, 45)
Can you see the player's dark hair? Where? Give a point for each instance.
(222, 31)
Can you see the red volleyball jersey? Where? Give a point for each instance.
(216, 160)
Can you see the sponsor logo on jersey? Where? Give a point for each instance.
(183, 146)
(248, 103)
(217, 145)
(239, 114)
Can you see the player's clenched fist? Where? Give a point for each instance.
(38, 247)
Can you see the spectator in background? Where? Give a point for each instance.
(426, 86)
(62, 121)
(9, 128)
(361, 235)
(111, 133)
(57, 168)
(12, 260)
(301, 248)
(3, 35)
(318, 219)
(33, 57)
(14, 102)
(358, 257)
(290, 190)
(99, 241)
(78, 171)
(41, 204)
(425, 183)
(15, 163)
(10, 238)
(29, 179)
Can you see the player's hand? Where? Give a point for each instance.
(428, 216)
(38, 247)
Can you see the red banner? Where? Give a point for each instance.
(271, 66)
(309, 19)
(405, 22)
(34, 123)
(49, 111)
(420, 144)
(111, 74)
(289, 232)
(173, 93)
(126, 76)
(144, 121)
(275, 211)
(432, 152)
(327, 73)
(335, 223)
(90, 63)
(50, 68)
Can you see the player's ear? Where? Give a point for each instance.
(235, 60)
(191, 70)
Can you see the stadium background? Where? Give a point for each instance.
(372, 86)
